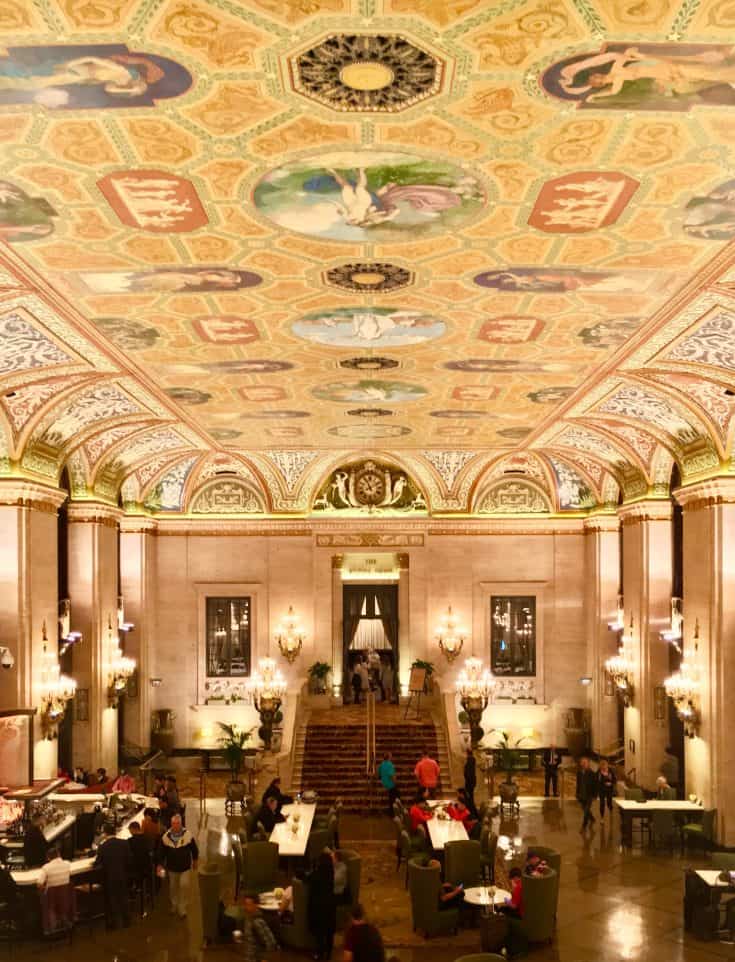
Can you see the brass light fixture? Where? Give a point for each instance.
(450, 635)
(474, 685)
(57, 690)
(683, 688)
(268, 687)
(120, 668)
(290, 636)
(620, 669)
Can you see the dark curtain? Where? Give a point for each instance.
(354, 599)
(386, 597)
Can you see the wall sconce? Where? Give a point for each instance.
(290, 636)
(120, 668)
(268, 687)
(122, 624)
(683, 688)
(450, 635)
(156, 682)
(7, 659)
(474, 686)
(675, 632)
(67, 637)
(585, 680)
(619, 623)
(620, 669)
(57, 690)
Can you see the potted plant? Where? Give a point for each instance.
(508, 751)
(466, 733)
(318, 676)
(233, 741)
(428, 667)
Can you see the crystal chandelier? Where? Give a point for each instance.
(450, 635)
(683, 687)
(119, 669)
(620, 668)
(474, 686)
(57, 690)
(290, 636)
(268, 687)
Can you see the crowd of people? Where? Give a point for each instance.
(373, 671)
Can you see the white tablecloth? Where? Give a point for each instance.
(289, 842)
(442, 831)
(480, 895)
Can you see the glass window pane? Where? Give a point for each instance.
(513, 635)
(228, 637)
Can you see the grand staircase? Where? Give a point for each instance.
(330, 759)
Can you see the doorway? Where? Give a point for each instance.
(370, 640)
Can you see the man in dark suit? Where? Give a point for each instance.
(35, 845)
(141, 850)
(551, 763)
(587, 786)
(116, 861)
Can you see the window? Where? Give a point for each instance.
(513, 635)
(228, 637)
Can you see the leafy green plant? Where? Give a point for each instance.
(463, 718)
(428, 666)
(508, 752)
(233, 741)
(320, 670)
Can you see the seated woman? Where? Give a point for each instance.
(450, 896)
(420, 811)
(274, 791)
(459, 811)
(124, 783)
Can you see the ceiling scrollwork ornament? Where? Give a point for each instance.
(514, 497)
(371, 486)
(226, 496)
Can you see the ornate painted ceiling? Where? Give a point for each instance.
(271, 237)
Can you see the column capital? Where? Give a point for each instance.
(602, 522)
(138, 524)
(647, 510)
(94, 512)
(706, 494)
(29, 494)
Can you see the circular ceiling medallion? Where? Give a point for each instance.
(369, 278)
(366, 431)
(370, 413)
(368, 327)
(365, 391)
(384, 73)
(369, 363)
(363, 196)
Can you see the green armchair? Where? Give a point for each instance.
(354, 868)
(724, 861)
(259, 866)
(553, 860)
(296, 934)
(700, 833)
(539, 907)
(462, 863)
(424, 884)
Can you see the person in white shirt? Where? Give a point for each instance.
(57, 871)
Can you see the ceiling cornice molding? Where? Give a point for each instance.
(647, 509)
(28, 494)
(706, 494)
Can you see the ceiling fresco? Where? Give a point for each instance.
(281, 235)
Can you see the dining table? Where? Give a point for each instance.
(443, 830)
(292, 835)
(631, 808)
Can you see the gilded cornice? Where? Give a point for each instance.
(94, 512)
(131, 524)
(29, 494)
(602, 522)
(706, 494)
(645, 510)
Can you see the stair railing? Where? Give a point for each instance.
(370, 750)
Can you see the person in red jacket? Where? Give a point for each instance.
(420, 811)
(427, 773)
(460, 813)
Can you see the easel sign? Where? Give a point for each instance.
(416, 687)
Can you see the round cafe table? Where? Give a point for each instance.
(493, 925)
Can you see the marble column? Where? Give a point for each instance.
(709, 598)
(602, 585)
(138, 586)
(647, 579)
(92, 540)
(28, 598)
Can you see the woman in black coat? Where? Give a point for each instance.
(470, 777)
(322, 906)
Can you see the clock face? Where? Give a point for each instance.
(370, 488)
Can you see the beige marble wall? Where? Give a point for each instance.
(709, 598)
(443, 569)
(647, 574)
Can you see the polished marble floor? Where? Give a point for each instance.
(614, 906)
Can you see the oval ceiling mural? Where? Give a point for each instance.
(369, 327)
(364, 196)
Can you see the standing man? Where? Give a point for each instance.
(387, 776)
(586, 790)
(116, 862)
(551, 763)
(470, 778)
(427, 773)
(179, 855)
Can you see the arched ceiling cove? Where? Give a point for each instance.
(492, 245)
